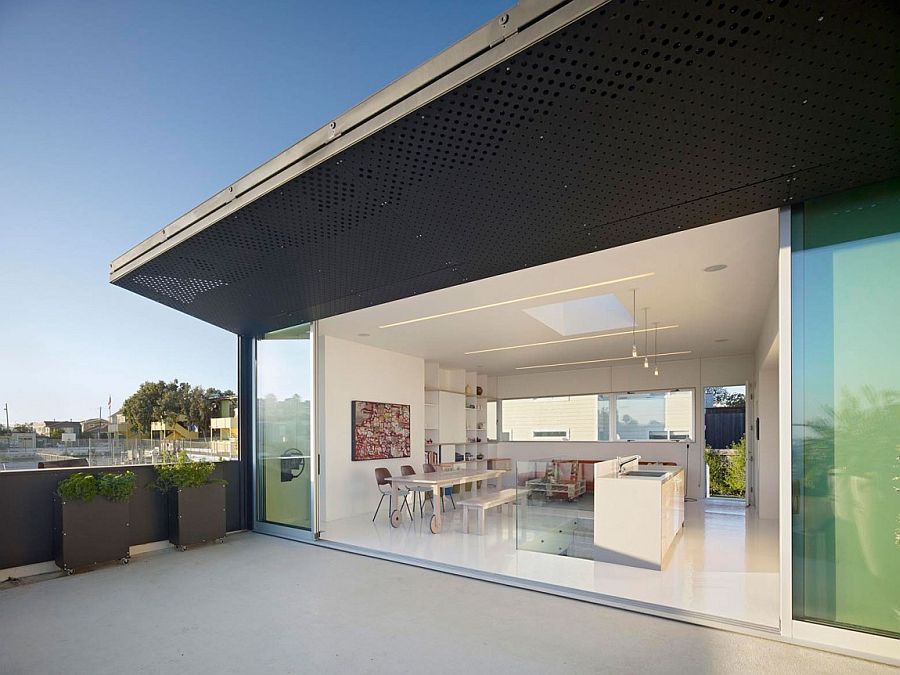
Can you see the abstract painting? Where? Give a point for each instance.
(380, 430)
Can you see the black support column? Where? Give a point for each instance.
(246, 373)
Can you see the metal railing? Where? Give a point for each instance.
(116, 452)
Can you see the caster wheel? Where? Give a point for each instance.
(182, 548)
(70, 572)
(435, 525)
(220, 540)
(125, 560)
(395, 519)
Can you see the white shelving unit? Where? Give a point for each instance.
(445, 416)
(456, 418)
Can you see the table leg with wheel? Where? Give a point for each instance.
(395, 505)
(436, 519)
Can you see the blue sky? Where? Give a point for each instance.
(117, 117)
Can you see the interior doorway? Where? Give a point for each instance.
(726, 452)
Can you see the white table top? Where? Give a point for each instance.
(442, 478)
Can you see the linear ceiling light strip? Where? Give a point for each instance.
(564, 340)
(579, 363)
(510, 302)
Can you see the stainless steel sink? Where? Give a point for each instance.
(648, 474)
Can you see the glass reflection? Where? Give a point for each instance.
(846, 410)
(283, 439)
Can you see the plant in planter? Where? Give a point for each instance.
(91, 519)
(196, 500)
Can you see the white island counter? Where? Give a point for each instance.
(638, 512)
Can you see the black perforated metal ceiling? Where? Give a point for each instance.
(641, 119)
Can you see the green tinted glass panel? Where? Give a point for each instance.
(283, 437)
(846, 409)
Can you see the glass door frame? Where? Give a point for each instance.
(265, 527)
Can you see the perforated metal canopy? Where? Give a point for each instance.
(542, 136)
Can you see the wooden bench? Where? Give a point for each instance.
(484, 502)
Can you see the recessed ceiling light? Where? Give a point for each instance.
(579, 363)
(715, 268)
(510, 302)
(574, 339)
(363, 334)
(721, 340)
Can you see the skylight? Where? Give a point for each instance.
(585, 315)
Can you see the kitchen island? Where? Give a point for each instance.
(638, 512)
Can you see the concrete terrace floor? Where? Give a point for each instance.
(260, 604)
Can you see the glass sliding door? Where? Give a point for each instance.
(846, 409)
(285, 464)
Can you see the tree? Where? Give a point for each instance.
(142, 407)
(171, 402)
(725, 399)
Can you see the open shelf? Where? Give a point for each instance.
(456, 408)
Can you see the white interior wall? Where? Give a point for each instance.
(350, 371)
(683, 374)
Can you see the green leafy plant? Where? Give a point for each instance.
(83, 487)
(79, 486)
(179, 471)
(727, 473)
(736, 473)
(117, 487)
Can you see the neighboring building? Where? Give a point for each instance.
(172, 431)
(95, 427)
(52, 427)
(119, 426)
(552, 418)
(223, 428)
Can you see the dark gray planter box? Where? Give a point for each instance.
(89, 533)
(196, 514)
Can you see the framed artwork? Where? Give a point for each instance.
(380, 430)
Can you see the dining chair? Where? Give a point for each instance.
(429, 468)
(425, 493)
(382, 477)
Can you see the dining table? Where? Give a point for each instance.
(437, 481)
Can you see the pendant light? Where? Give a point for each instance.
(656, 349)
(633, 322)
(646, 360)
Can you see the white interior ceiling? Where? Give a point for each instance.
(717, 313)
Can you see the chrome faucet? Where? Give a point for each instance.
(622, 461)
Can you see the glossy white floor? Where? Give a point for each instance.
(724, 566)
